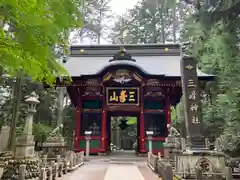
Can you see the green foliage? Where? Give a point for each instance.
(41, 132)
(216, 46)
(173, 113)
(30, 30)
(150, 22)
(97, 17)
(69, 122)
(131, 120)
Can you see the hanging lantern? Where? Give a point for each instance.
(123, 125)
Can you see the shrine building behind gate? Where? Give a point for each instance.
(120, 80)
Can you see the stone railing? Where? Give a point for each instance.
(160, 166)
(55, 169)
(152, 161)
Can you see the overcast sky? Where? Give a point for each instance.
(120, 6)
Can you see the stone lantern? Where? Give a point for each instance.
(25, 144)
(32, 101)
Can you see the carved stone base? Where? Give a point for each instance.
(55, 146)
(25, 146)
(210, 161)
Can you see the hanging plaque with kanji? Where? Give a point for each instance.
(122, 96)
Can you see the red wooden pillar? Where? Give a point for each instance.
(104, 123)
(103, 133)
(142, 129)
(77, 128)
(168, 114)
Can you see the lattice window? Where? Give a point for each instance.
(91, 122)
(156, 123)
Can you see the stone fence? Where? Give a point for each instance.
(152, 161)
(165, 170)
(54, 169)
(160, 166)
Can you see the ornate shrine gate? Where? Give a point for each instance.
(144, 80)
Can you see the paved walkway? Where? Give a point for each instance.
(111, 172)
(123, 172)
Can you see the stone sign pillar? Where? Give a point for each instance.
(191, 102)
(25, 144)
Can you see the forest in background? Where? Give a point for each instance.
(212, 27)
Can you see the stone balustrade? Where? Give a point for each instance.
(55, 169)
(152, 161)
(160, 166)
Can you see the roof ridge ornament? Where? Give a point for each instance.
(122, 55)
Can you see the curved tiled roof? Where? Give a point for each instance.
(151, 59)
(150, 65)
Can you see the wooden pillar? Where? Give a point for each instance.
(169, 120)
(104, 124)
(168, 114)
(77, 128)
(142, 129)
(103, 132)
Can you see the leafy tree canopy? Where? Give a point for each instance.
(30, 32)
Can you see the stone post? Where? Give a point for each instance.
(87, 138)
(229, 173)
(22, 170)
(74, 159)
(168, 174)
(60, 165)
(150, 143)
(50, 173)
(71, 161)
(82, 156)
(56, 167)
(58, 159)
(4, 137)
(44, 161)
(149, 137)
(43, 174)
(78, 158)
(198, 173)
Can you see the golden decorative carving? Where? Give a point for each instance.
(122, 72)
(107, 77)
(137, 77)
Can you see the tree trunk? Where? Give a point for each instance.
(161, 13)
(122, 31)
(174, 24)
(15, 113)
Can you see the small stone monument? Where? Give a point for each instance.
(55, 143)
(171, 143)
(4, 136)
